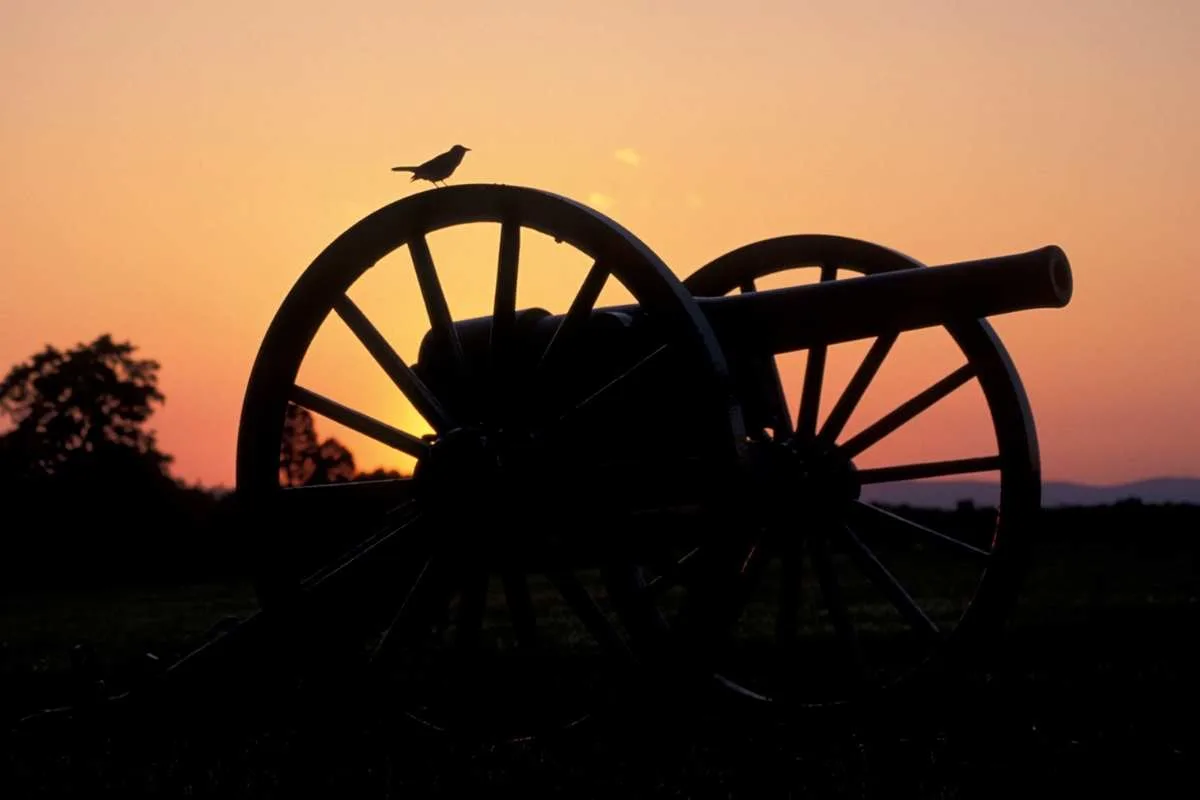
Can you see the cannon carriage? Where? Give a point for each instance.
(607, 493)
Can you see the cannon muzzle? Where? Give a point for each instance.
(794, 318)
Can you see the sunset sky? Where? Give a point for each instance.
(170, 168)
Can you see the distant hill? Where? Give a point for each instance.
(946, 494)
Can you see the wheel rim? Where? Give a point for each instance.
(382, 513)
(793, 680)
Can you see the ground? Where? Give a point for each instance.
(1093, 687)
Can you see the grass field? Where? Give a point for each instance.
(1094, 687)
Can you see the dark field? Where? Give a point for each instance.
(1092, 688)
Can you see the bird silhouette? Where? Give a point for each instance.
(438, 168)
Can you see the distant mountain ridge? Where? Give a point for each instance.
(947, 494)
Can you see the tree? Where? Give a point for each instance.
(304, 459)
(379, 474)
(82, 407)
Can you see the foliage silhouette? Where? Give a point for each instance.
(96, 503)
(75, 409)
(379, 475)
(305, 460)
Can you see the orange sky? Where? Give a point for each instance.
(170, 168)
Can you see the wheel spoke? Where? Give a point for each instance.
(857, 387)
(401, 374)
(589, 612)
(472, 605)
(435, 299)
(716, 606)
(878, 574)
(349, 493)
(781, 413)
(402, 615)
(791, 574)
(577, 315)
(397, 515)
(778, 399)
(356, 565)
(672, 573)
(520, 607)
(573, 416)
(726, 603)
(907, 411)
(928, 469)
(880, 515)
(831, 593)
(814, 373)
(357, 421)
(504, 311)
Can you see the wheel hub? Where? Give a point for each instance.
(478, 477)
(465, 463)
(816, 475)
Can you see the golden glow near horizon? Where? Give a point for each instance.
(171, 168)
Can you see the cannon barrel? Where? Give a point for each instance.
(794, 318)
(798, 317)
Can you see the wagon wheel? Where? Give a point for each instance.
(506, 492)
(795, 596)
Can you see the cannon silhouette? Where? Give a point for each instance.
(620, 496)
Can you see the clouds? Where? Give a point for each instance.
(600, 201)
(625, 155)
(628, 156)
(632, 189)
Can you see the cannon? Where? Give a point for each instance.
(610, 497)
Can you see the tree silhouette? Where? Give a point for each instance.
(99, 505)
(78, 408)
(379, 474)
(304, 459)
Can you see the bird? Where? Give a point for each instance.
(438, 168)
